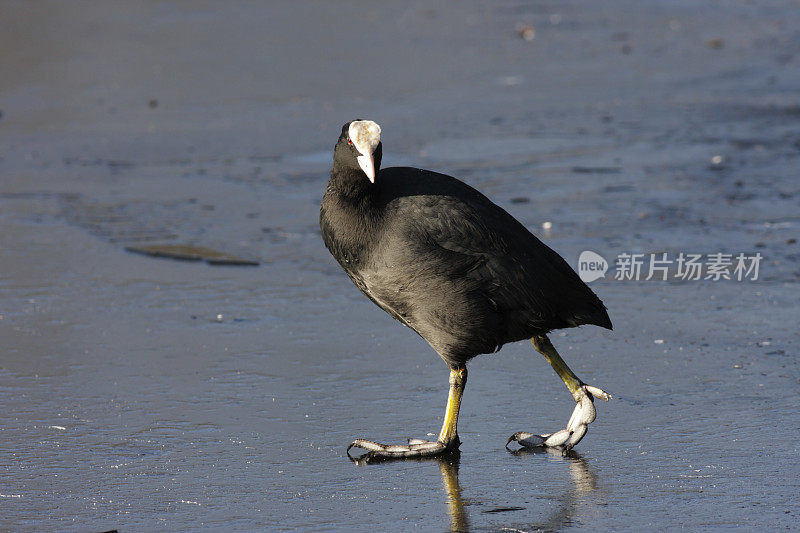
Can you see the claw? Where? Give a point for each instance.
(597, 392)
(576, 437)
(556, 439)
(414, 448)
(583, 415)
(524, 436)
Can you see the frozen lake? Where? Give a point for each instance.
(145, 394)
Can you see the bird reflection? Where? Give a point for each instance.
(584, 482)
(448, 466)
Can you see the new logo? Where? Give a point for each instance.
(591, 266)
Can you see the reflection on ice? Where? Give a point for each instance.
(584, 482)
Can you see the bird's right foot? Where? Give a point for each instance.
(582, 416)
(414, 448)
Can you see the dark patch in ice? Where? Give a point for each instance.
(188, 252)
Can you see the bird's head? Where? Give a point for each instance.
(359, 147)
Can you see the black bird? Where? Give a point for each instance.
(441, 258)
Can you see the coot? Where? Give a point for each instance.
(441, 258)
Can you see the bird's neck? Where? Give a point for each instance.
(350, 223)
(350, 183)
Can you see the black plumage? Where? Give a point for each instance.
(443, 259)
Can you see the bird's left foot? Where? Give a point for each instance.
(414, 448)
(578, 424)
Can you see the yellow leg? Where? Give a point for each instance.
(458, 380)
(546, 348)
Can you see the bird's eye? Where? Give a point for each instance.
(349, 141)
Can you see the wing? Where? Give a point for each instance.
(457, 246)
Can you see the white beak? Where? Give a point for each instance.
(367, 164)
(365, 136)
